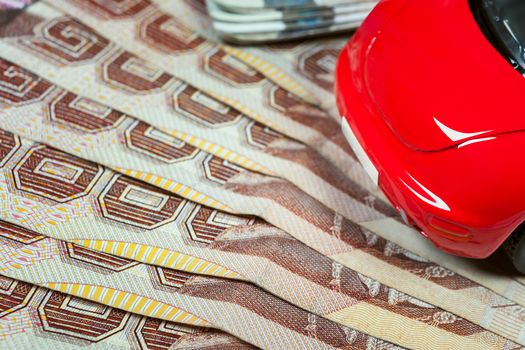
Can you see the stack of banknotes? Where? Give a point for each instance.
(9, 8)
(262, 21)
(13, 4)
(159, 189)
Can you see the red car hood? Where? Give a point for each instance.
(437, 81)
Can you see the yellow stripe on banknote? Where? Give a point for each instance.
(140, 251)
(163, 256)
(172, 260)
(176, 188)
(149, 307)
(185, 192)
(158, 256)
(127, 301)
(98, 245)
(181, 261)
(88, 292)
(273, 73)
(157, 181)
(75, 289)
(161, 311)
(221, 152)
(191, 264)
(107, 299)
(119, 250)
(245, 110)
(130, 247)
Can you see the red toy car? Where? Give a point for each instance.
(431, 94)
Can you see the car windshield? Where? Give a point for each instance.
(503, 22)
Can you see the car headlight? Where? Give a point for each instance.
(448, 229)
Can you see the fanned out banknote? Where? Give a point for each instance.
(171, 45)
(269, 21)
(40, 318)
(236, 307)
(169, 196)
(443, 303)
(309, 63)
(127, 142)
(146, 46)
(179, 107)
(112, 213)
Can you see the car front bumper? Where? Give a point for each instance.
(390, 165)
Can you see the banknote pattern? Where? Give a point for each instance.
(66, 108)
(239, 247)
(201, 23)
(312, 64)
(193, 112)
(381, 277)
(143, 29)
(47, 319)
(35, 108)
(237, 307)
(342, 236)
(309, 63)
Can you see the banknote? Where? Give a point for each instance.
(168, 42)
(83, 115)
(315, 74)
(306, 79)
(310, 63)
(289, 26)
(248, 192)
(308, 19)
(219, 13)
(235, 307)
(40, 318)
(181, 107)
(112, 219)
(286, 34)
(289, 56)
(14, 4)
(63, 74)
(262, 4)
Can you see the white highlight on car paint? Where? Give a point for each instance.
(436, 201)
(359, 151)
(469, 142)
(455, 135)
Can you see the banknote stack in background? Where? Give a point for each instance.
(8, 8)
(160, 189)
(262, 21)
(13, 4)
